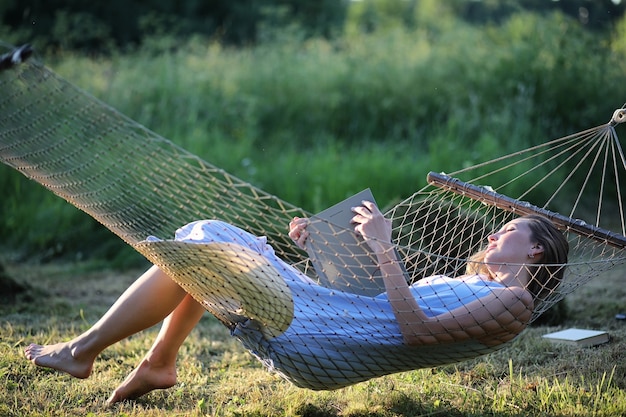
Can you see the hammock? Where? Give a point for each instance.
(138, 184)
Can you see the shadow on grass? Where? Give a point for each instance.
(13, 292)
(398, 405)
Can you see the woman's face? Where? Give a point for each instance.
(511, 244)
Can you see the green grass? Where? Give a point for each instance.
(217, 377)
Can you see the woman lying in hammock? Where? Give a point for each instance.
(335, 338)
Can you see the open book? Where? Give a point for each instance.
(342, 259)
(578, 337)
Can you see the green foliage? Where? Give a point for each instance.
(39, 226)
(374, 15)
(313, 120)
(99, 27)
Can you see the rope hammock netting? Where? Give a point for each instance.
(144, 188)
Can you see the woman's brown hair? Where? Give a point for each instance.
(548, 273)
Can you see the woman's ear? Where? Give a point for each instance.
(535, 251)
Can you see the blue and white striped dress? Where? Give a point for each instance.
(337, 338)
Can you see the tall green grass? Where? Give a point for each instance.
(313, 121)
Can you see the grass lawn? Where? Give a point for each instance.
(218, 377)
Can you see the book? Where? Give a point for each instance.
(579, 337)
(342, 260)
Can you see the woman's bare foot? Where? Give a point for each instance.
(61, 357)
(143, 379)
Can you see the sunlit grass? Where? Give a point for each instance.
(217, 377)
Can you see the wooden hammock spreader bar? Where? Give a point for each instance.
(522, 208)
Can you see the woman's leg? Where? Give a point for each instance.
(157, 370)
(145, 303)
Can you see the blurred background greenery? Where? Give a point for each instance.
(313, 100)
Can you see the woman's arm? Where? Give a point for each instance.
(492, 320)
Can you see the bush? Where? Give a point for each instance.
(378, 110)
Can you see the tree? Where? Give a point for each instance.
(593, 14)
(97, 26)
